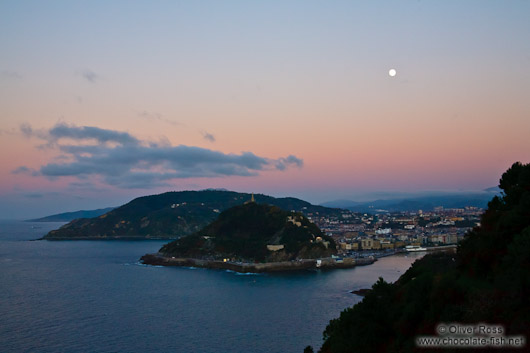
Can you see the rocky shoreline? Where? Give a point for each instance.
(245, 267)
(361, 292)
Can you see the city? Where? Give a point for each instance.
(382, 233)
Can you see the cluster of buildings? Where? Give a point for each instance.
(384, 231)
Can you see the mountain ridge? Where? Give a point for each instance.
(171, 215)
(425, 203)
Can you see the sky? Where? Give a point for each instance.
(105, 101)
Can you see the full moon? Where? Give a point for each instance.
(392, 72)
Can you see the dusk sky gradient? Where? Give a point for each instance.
(104, 101)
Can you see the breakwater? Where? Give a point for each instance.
(246, 267)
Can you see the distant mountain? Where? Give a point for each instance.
(341, 203)
(255, 232)
(494, 189)
(425, 203)
(70, 216)
(171, 215)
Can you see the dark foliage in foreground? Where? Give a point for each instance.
(486, 281)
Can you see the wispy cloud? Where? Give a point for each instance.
(26, 130)
(120, 159)
(33, 195)
(37, 194)
(89, 75)
(153, 116)
(10, 131)
(283, 163)
(80, 133)
(91, 187)
(24, 170)
(207, 136)
(62, 131)
(10, 75)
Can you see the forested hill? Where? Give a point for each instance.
(171, 215)
(246, 232)
(486, 281)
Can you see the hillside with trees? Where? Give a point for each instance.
(171, 215)
(486, 281)
(245, 232)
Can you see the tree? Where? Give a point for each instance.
(488, 280)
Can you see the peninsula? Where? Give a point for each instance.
(254, 238)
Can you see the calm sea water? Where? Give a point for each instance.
(94, 296)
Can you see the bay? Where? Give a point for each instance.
(94, 296)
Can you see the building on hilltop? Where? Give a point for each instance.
(252, 200)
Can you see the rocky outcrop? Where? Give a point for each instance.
(295, 265)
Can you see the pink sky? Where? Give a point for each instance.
(303, 79)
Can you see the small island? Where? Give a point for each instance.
(255, 238)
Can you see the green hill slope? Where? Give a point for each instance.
(170, 215)
(487, 281)
(244, 232)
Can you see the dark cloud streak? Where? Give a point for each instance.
(122, 160)
(90, 76)
(10, 75)
(88, 133)
(208, 137)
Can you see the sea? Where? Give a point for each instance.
(95, 296)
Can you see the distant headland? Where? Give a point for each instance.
(170, 215)
(70, 216)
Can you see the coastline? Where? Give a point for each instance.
(245, 267)
(159, 259)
